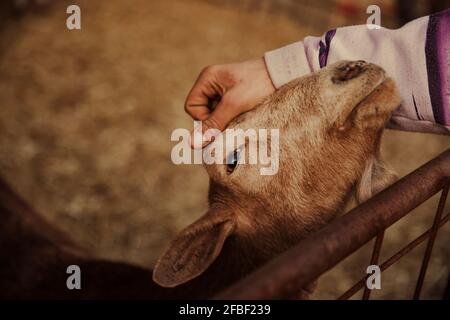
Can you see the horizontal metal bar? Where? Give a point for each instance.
(305, 262)
(394, 258)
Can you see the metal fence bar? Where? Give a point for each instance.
(430, 244)
(374, 261)
(283, 276)
(394, 258)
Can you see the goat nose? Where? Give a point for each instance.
(348, 71)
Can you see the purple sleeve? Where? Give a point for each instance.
(416, 56)
(437, 51)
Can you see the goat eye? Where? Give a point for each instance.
(232, 160)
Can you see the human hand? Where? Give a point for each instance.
(238, 87)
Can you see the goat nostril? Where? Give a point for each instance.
(349, 71)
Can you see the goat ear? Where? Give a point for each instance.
(364, 117)
(194, 249)
(377, 176)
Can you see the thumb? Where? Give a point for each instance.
(219, 119)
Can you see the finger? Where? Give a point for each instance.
(222, 115)
(225, 111)
(202, 92)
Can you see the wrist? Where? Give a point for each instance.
(286, 63)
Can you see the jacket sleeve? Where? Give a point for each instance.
(416, 56)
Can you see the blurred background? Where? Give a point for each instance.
(86, 118)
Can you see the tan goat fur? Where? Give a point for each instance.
(330, 126)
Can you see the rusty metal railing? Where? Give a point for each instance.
(297, 267)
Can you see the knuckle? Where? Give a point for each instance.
(205, 70)
(208, 70)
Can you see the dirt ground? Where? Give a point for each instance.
(86, 118)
